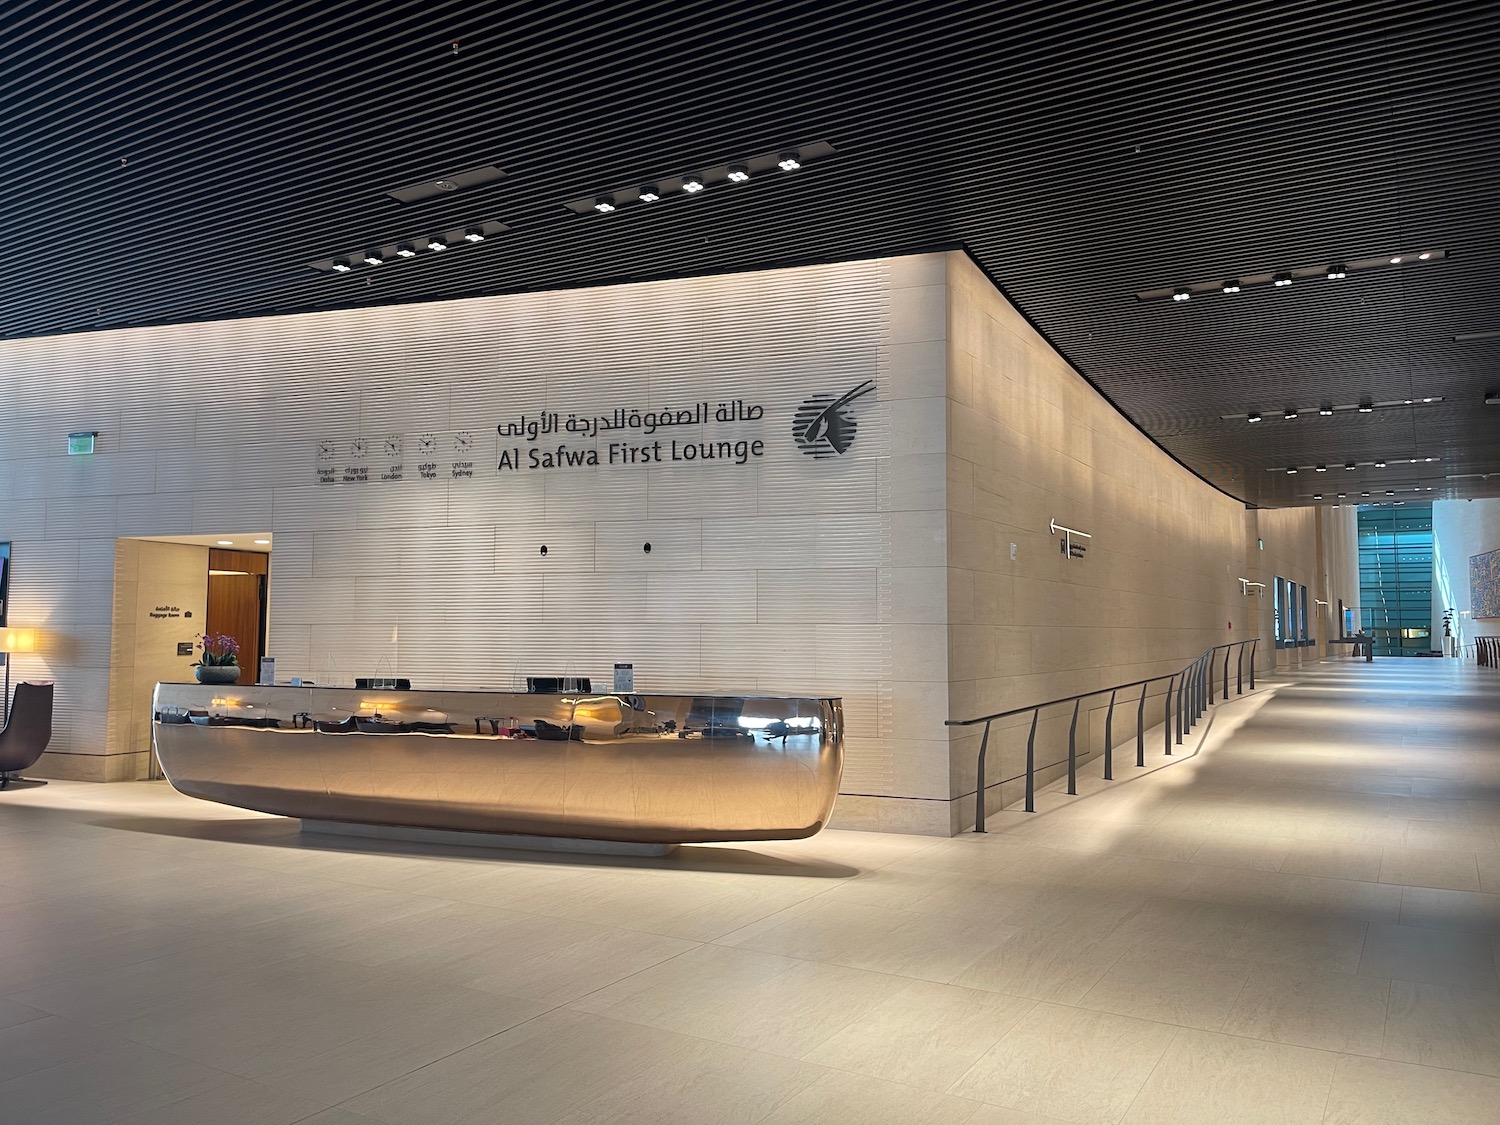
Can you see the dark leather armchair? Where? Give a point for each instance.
(27, 731)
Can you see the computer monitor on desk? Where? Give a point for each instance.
(556, 685)
(382, 683)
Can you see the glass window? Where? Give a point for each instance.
(1280, 611)
(1395, 577)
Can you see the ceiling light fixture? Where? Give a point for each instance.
(1292, 471)
(1283, 277)
(1396, 261)
(226, 542)
(341, 266)
(1326, 410)
(262, 542)
(1290, 414)
(436, 244)
(604, 204)
(1317, 496)
(1348, 465)
(1380, 464)
(1181, 294)
(1364, 494)
(374, 257)
(1366, 407)
(735, 171)
(1253, 416)
(1320, 469)
(474, 234)
(406, 250)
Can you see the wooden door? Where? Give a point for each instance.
(236, 604)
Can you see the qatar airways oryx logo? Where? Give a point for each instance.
(824, 426)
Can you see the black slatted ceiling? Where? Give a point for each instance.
(183, 161)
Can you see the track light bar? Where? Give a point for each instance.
(691, 183)
(1327, 410)
(412, 247)
(1359, 464)
(1284, 277)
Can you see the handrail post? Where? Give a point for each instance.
(1226, 672)
(1253, 645)
(1109, 725)
(1031, 763)
(1073, 751)
(1239, 671)
(984, 746)
(1140, 727)
(1166, 714)
(1202, 685)
(1181, 703)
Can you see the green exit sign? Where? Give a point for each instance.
(81, 442)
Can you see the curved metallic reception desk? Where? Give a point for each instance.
(635, 768)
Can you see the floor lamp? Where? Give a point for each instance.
(12, 641)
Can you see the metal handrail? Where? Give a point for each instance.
(1195, 694)
(1487, 651)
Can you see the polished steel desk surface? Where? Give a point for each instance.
(644, 767)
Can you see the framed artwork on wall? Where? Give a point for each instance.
(1484, 584)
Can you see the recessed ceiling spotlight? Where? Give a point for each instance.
(604, 204)
(1422, 257)
(1337, 270)
(788, 161)
(1429, 400)
(406, 250)
(341, 266)
(1181, 294)
(1281, 280)
(738, 173)
(1290, 414)
(474, 234)
(649, 194)
(1253, 416)
(1230, 287)
(436, 244)
(1325, 410)
(1321, 469)
(226, 542)
(692, 183)
(1429, 460)
(262, 542)
(373, 257)
(1396, 261)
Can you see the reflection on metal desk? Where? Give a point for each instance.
(659, 769)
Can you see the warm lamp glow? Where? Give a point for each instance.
(17, 640)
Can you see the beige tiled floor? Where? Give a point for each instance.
(1299, 923)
